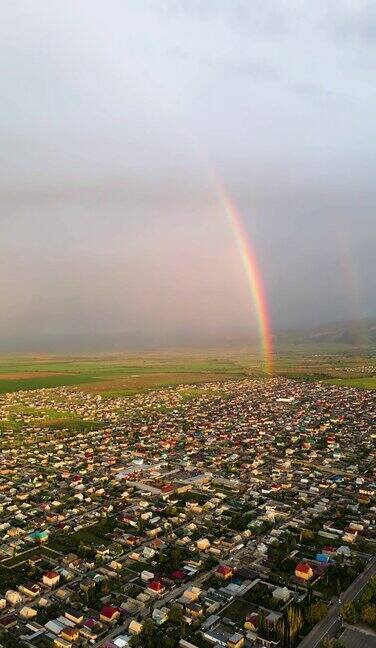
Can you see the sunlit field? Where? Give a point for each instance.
(128, 374)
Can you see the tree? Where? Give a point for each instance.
(369, 593)
(105, 587)
(210, 562)
(349, 613)
(147, 637)
(176, 615)
(140, 525)
(134, 641)
(168, 642)
(332, 643)
(294, 624)
(369, 615)
(317, 611)
(175, 558)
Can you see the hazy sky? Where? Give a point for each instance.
(113, 115)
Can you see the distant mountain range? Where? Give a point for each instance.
(351, 333)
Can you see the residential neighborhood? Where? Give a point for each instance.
(229, 514)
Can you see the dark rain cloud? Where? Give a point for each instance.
(113, 119)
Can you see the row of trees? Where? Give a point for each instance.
(332, 643)
(364, 609)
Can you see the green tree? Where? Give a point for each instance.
(134, 641)
(294, 624)
(176, 615)
(369, 615)
(147, 637)
(332, 643)
(317, 611)
(349, 613)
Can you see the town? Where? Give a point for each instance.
(237, 513)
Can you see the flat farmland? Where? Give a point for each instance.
(42, 382)
(360, 383)
(125, 374)
(133, 384)
(115, 375)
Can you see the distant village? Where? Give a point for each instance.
(232, 514)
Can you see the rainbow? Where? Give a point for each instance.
(252, 272)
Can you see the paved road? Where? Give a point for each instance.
(358, 638)
(332, 622)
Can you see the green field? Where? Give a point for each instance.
(128, 374)
(360, 383)
(119, 375)
(18, 384)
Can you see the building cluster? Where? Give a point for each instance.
(221, 515)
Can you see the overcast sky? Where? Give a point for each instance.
(113, 115)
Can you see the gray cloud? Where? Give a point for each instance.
(113, 120)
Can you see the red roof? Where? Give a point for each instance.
(90, 623)
(224, 569)
(51, 574)
(178, 575)
(157, 543)
(108, 611)
(303, 568)
(156, 586)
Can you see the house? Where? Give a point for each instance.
(54, 626)
(303, 571)
(186, 644)
(63, 594)
(59, 642)
(160, 615)
(203, 544)
(28, 612)
(8, 621)
(191, 594)
(156, 587)
(344, 551)
(51, 578)
(14, 598)
(178, 575)
(281, 594)
(122, 641)
(235, 641)
(91, 628)
(194, 610)
(69, 634)
(251, 621)
(224, 572)
(87, 584)
(30, 589)
(146, 575)
(38, 536)
(149, 552)
(109, 614)
(135, 627)
(74, 615)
